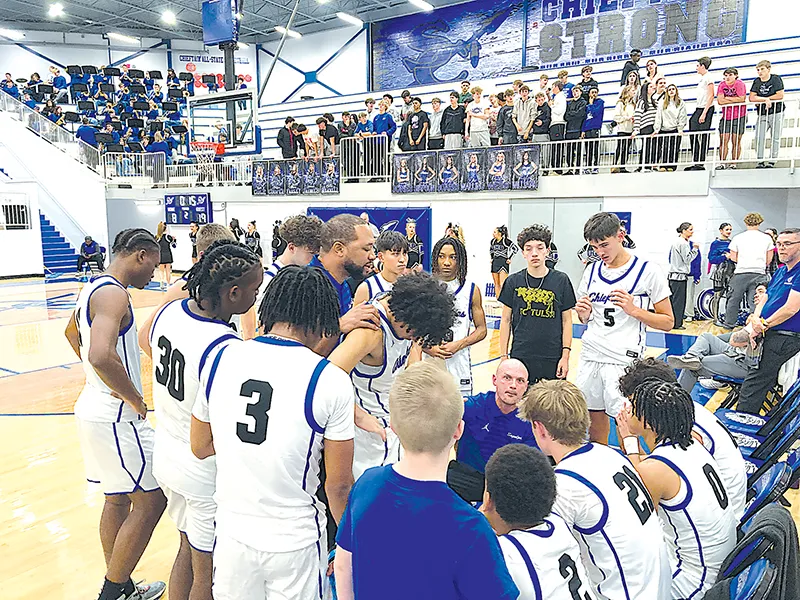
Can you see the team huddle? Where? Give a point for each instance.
(334, 427)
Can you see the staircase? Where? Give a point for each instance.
(59, 255)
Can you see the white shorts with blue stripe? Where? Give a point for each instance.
(369, 450)
(118, 456)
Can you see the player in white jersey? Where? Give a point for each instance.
(449, 258)
(267, 407)
(392, 249)
(707, 430)
(418, 308)
(184, 335)
(600, 496)
(683, 479)
(207, 235)
(614, 298)
(541, 554)
(115, 437)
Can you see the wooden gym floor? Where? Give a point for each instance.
(49, 545)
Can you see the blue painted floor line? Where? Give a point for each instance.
(9, 371)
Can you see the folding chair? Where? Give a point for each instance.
(767, 488)
(747, 423)
(755, 582)
(772, 400)
(760, 457)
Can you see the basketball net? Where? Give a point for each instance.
(205, 153)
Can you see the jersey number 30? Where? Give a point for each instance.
(262, 391)
(169, 371)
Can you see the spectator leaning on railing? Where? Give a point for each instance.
(767, 91)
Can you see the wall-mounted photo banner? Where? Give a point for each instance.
(296, 177)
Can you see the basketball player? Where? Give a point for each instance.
(600, 496)
(415, 246)
(392, 249)
(418, 308)
(614, 298)
(684, 483)
(302, 236)
(185, 333)
(266, 408)
(707, 430)
(403, 517)
(116, 439)
(450, 265)
(207, 235)
(542, 556)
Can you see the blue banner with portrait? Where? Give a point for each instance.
(407, 220)
(482, 40)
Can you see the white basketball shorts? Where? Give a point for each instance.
(118, 456)
(371, 451)
(599, 383)
(244, 573)
(194, 517)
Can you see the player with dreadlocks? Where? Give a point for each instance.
(684, 482)
(267, 407)
(449, 258)
(223, 283)
(116, 439)
(418, 308)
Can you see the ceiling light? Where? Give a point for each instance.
(122, 38)
(291, 33)
(168, 17)
(426, 6)
(12, 34)
(56, 10)
(350, 19)
(239, 16)
(323, 1)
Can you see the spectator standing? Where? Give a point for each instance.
(775, 264)
(731, 91)
(671, 119)
(477, 127)
(495, 102)
(407, 107)
(506, 129)
(563, 77)
(631, 65)
(681, 255)
(623, 116)
(453, 118)
(703, 114)
(465, 97)
(644, 120)
(384, 123)
(575, 116)
(558, 125)
(522, 116)
(418, 123)
(779, 323)
(287, 139)
(752, 251)
(390, 108)
(653, 73)
(544, 86)
(365, 127)
(542, 115)
(236, 229)
(595, 109)
(347, 127)
(435, 137)
(587, 83)
(719, 266)
(767, 92)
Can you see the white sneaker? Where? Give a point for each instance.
(711, 384)
(148, 591)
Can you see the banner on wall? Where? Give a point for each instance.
(482, 40)
(295, 177)
(468, 170)
(385, 218)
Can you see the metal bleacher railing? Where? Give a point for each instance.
(49, 131)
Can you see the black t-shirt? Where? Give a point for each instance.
(416, 122)
(765, 89)
(536, 306)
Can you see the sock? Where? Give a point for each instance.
(115, 591)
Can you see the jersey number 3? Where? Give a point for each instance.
(258, 410)
(169, 371)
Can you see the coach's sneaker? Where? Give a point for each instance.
(711, 384)
(148, 591)
(687, 361)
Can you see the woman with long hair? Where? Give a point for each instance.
(671, 119)
(165, 245)
(623, 116)
(644, 122)
(681, 255)
(252, 239)
(501, 250)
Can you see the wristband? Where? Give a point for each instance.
(566, 348)
(631, 444)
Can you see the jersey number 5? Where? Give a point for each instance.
(258, 410)
(169, 371)
(638, 496)
(608, 317)
(569, 571)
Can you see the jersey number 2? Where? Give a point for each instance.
(569, 571)
(638, 496)
(169, 371)
(258, 410)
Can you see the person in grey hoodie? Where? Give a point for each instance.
(681, 255)
(435, 137)
(506, 130)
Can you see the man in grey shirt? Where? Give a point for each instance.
(435, 137)
(522, 115)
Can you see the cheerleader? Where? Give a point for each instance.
(415, 248)
(448, 176)
(497, 173)
(403, 178)
(501, 250)
(260, 181)
(275, 181)
(473, 174)
(425, 175)
(330, 179)
(524, 172)
(293, 186)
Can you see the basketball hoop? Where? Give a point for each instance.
(205, 153)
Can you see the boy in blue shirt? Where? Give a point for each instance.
(405, 514)
(591, 129)
(364, 127)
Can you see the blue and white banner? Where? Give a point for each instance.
(495, 38)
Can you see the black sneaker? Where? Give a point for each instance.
(761, 165)
(769, 165)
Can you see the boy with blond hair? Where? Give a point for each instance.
(448, 545)
(478, 120)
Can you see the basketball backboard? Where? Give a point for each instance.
(226, 117)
